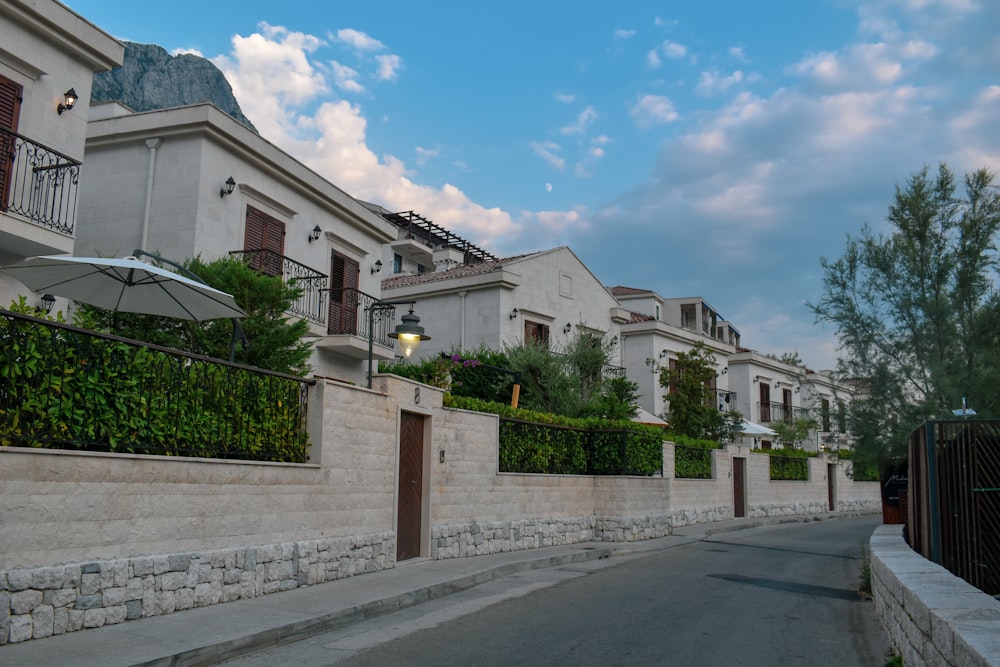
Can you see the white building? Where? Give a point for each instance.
(547, 296)
(48, 56)
(192, 181)
(661, 328)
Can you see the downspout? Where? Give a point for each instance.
(461, 339)
(152, 144)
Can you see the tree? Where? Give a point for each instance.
(794, 432)
(917, 311)
(275, 343)
(690, 392)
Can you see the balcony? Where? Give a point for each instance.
(725, 400)
(311, 304)
(347, 327)
(38, 184)
(771, 412)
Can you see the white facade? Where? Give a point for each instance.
(46, 50)
(657, 332)
(155, 181)
(494, 303)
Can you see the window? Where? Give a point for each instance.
(10, 111)
(397, 263)
(265, 235)
(534, 331)
(344, 273)
(825, 414)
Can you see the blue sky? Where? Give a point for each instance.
(716, 149)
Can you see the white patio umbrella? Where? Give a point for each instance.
(127, 285)
(755, 430)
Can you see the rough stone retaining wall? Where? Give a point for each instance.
(41, 602)
(930, 616)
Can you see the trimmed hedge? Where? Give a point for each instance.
(538, 442)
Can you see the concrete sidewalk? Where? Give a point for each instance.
(209, 635)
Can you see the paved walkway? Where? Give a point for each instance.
(209, 635)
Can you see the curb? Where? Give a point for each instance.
(214, 653)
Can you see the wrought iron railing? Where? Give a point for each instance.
(311, 304)
(953, 498)
(725, 400)
(62, 387)
(349, 315)
(780, 412)
(38, 182)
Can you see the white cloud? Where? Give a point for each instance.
(653, 59)
(388, 67)
(187, 52)
(738, 53)
(548, 187)
(547, 151)
(358, 40)
(565, 98)
(345, 78)
(583, 120)
(425, 154)
(652, 110)
(673, 50)
(622, 33)
(712, 82)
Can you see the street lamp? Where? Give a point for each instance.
(409, 333)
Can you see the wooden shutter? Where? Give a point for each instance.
(10, 111)
(765, 402)
(265, 235)
(533, 331)
(344, 280)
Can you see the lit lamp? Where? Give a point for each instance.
(69, 101)
(409, 333)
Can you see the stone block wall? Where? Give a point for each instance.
(46, 601)
(930, 616)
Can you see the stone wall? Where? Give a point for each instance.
(46, 601)
(92, 538)
(930, 616)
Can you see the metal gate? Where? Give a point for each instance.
(954, 498)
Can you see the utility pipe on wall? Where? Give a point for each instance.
(461, 338)
(152, 144)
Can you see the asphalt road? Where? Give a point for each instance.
(783, 594)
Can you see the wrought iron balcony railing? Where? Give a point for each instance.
(349, 315)
(38, 183)
(311, 304)
(779, 412)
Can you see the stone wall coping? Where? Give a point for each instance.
(961, 622)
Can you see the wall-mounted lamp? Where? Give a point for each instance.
(69, 101)
(228, 187)
(777, 384)
(756, 378)
(514, 313)
(663, 354)
(724, 370)
(377, 267)
(567, 328)
(314, 234)
(48, 302)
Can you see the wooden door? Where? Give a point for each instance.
(831, 485)
(739, 487)
(344, 280)
(411, 472)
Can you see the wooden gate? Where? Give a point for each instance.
(739, 487)
(409, 508)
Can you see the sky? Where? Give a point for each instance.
(717, 148)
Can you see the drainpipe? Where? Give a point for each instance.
(461, 339)
(152, 144)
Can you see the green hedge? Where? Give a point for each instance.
(546, 443)
(788, 464)
(67, 388)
